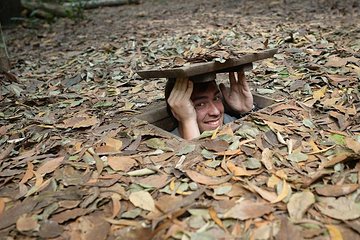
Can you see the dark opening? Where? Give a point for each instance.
(158, 116)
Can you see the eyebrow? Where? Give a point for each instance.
(204, 97)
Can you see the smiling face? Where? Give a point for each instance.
(208, 106)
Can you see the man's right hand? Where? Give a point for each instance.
(183, 109)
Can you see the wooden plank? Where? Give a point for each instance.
(195, 69)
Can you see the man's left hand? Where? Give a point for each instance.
(238, 97)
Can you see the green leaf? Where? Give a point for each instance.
(265, 91)
(308, 123)
(213, 164)
(133, 213)
(103, 104)
(338, 139)
(186, 149)
(156, 143)
(297, 157)
(252, 163)
(222, 190)
(207, 154)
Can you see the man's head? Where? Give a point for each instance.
(207, 101)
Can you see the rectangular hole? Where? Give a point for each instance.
(159, 117)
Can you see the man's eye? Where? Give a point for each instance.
(200, 105)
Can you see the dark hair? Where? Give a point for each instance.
(198, 87)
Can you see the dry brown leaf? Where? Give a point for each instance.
(115, 144)
(320, 93)
(340, 157)
(155, 181)
(68, 214)
(79, 121)
(267, 195)
(334, 232)
(26, 223)
(2, 205)
(336, 190)
(285, 107)
(341, 208)
(216, 145)
(167, 202)
(284, 192)
(143, 200)
(266, 159)
(29, 172)
(50, 165)
(115, 197)
(227, 130)
(299, 203)
(273, 181)
(206, 180)
(229, 152)
(86, 123)
(121, 163)
(239, 171)
(215, 217)
(247, 209)
(335, 61)
(352, 144)
(38, 182)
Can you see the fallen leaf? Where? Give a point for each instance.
(334, 232)
(155, 181)
(285, 191)
(143, 200)
(352, 144)
(341, 208)
(336, 190)
(335, 61)
(247, 209)
(115, 197)
(239, 171)
(121, 163)
(215, 217)
(29, 173)
(188, 148)
(50, 229)
(320, 93)
(266, 159)
(157, 143)
(50, 165)
(267, 195)
(68, 215)
(299, 203)
(206, 180)
(216, 145)
(297, 157)
(26, 223)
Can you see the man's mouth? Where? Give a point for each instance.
(214, 123)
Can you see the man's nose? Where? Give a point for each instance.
(213, 109)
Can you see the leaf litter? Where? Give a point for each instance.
(75, 164)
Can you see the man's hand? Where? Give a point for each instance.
(238, 97)
(182, 108)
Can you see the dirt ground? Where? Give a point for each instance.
(75, 164)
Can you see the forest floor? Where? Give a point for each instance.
(75, 163)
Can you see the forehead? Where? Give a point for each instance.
(203, 90)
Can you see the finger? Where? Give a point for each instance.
(242, 80)
(224, 90)
(175, 91)
(189, 90)
(232, 79)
